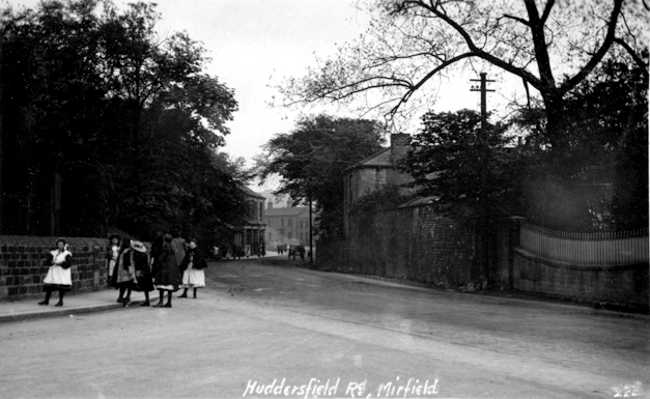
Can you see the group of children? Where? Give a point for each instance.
(170, 264)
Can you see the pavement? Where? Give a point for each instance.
(87, 302)
(258, 323)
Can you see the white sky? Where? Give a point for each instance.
(256, 43)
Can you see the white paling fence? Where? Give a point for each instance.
(601, 248)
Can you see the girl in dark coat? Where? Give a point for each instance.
(166, 274)
(59, 275)
(192, 267)
(124, 274)
(142, 281)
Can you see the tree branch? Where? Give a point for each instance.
(636, 57)
(547, 11)
(475, 50)
(600, 53)
(540, 45)
(518, 19)
(428, 76)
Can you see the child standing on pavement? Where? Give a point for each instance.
(192, 265)
(59, 276)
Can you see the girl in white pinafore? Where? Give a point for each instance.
(192, 267)
(59, 275)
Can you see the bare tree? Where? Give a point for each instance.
(409, 42)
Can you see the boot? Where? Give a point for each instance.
(60, 302)
(161, 296)
(184, 294)
(146, 299)
(120, 296)
(46, 301)
(169, 300)
(127, 298)
(194, 296)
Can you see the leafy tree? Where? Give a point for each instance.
(312, 160)
(603, 182)
(471, 169)
(454, 161)
(409, 42)
(105, 124)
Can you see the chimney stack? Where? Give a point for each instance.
(399, 146)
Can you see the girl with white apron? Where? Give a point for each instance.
(192, 266)
(59, 275)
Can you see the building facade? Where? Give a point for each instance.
(287, 226)
(248, 235)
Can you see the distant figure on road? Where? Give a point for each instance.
(301, 252)
(59, 276)
(192, 267)
(166, 273)
(216, 254)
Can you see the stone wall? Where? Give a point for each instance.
(408, 243)
(416, 244)
(22, 270)
(608, 286)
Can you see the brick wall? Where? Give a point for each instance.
(409, 243)
(22, 270)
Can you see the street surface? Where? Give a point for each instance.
(259, 322)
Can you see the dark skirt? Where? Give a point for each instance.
(56, 287)
(144, 283)
(167, 274)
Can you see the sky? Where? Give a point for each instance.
(256, 44)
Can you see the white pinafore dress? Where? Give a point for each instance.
(58, 276)
(193, 278)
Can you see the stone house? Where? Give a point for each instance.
(375, 173)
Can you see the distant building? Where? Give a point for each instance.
(248, 235)
(287, 225)
(278, 200)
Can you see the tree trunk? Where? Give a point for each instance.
(556, 121)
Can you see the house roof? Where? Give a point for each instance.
(251, 193)
(293, 211)
(420, 201)
(380, 159)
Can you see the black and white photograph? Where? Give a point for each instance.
(324, 199)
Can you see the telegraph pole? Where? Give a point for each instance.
(483, 89)
(311, 243)
(483, 143)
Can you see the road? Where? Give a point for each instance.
(257, 323)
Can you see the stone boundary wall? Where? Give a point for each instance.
(408, 243)
(615, 286)
(22, 270)
(418, 245)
